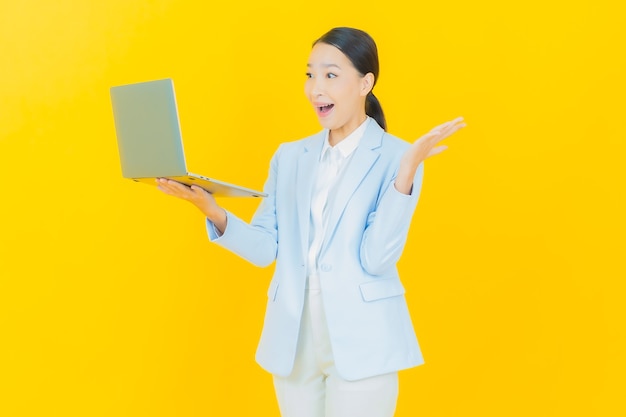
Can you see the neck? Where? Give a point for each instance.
(337, 135)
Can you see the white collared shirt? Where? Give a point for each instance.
(333, 160)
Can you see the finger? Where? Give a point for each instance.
(448, 125)
(432, 135)
(173, 188)
(163, 185)
(453, 125)
(430, 139)
(450, 130)
(180, 188)
(199, 191)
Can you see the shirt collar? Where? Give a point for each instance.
(349, 143)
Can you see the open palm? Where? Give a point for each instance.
(422, 149)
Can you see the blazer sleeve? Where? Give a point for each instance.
(388, 226)
(256, 242)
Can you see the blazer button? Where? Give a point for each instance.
(326, 268)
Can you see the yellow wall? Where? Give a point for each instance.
(113, 303)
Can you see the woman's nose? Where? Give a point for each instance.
(318, 87)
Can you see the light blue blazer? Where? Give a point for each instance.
(368, 321)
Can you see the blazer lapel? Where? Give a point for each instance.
(364, 157)
(307, 166)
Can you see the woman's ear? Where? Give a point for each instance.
(367, 83)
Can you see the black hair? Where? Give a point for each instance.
(361, 50)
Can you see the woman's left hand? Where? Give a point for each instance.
(424, 148)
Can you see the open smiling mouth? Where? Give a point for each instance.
(325, 109)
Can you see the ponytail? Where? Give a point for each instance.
(374, 110)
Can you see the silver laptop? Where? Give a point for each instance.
(150, 142)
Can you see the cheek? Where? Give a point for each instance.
(345, 92)
(307, 89)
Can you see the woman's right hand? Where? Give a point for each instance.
(197, 196)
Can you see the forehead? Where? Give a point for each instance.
(324, 55)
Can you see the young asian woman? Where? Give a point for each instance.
(337, 327)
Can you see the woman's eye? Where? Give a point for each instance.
(309, 75)
(331, 75)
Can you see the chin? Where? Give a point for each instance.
(330, 123)
(325, 123)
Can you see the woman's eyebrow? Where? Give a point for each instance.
(325, 65)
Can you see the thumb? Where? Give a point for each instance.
(437, 150)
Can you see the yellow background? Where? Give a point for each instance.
(113, 302)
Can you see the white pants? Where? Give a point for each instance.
(314, 388)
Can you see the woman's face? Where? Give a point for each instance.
(336, 89)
